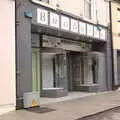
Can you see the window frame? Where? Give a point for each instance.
(89, 2)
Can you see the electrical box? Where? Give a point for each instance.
(31, 99)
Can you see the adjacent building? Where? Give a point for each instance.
(115, 20)
(7, 60)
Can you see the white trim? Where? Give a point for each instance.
(43, 12)
(7, 108)
(54, 20)
(65, 22)
(44, 4)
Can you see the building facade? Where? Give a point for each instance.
(62, 46)
(7, 61)
(115, 16)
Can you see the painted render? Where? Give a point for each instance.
(116, 25)
(7, 60)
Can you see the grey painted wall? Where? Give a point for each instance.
(109, 62)
(115, 67)
(23, 29)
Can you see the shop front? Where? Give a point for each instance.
(66, 64)
(58, 53)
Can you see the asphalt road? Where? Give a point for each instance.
(113, 114)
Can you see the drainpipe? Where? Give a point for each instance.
(16, 50)
(111, 43)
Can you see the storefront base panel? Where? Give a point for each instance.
(54, 92)
(87, 88)
(6, 108)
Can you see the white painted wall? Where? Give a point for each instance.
(7, 56)
(76, 7)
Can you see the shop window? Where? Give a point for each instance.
(87, 8)
(45, 1)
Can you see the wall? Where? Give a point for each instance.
(76, 7)
(116, 38)
(115, 25)
(24, 78)
(7, 59)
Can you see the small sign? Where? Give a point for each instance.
(74, 25)
(54, 20)
(42, 16)
(89, 30)
(34, 103)
(65, 23)
(28, 14)
(96, 32)
(103, 34)
(82, 28)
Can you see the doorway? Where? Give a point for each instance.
(81, 70)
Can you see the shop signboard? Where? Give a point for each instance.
(96, 32)
(42, 16)
(65, 23)
(89, 30)
(82, 28)
(54, 42)
(69, 24)
(54, 20)
(74, 25)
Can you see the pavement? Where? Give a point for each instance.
(72, 109)
(71, 96)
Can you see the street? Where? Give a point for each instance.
(113, 114)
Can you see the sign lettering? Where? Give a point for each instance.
(96, 32)
(82, 28)
(89, 30)
(42, 16)
(103, 34)
(54, 20)
(74, 25)
(65, 23)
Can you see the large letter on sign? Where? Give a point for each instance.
(42, 16)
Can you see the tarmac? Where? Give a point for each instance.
(71, 109)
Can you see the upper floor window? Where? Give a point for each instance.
(45, 1)
(87, 8)
(118, 20)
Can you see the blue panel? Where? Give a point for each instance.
(28, 14)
